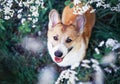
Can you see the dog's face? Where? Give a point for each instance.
(65, 42)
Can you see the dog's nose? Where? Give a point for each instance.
(58, 53)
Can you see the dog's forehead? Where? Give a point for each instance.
(65, 29)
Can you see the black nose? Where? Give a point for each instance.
(58, 53)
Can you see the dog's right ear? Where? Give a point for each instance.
(80, 23)
(54, 18)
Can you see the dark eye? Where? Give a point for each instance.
(55, 38)
(68, 40)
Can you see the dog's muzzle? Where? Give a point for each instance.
(58, 55)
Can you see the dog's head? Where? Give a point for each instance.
(65, 42)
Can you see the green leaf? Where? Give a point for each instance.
(97, 56)
(25, 28)
(50, 4)
(71, 5)
(1, 24)
(107, 50)
(2, 27)
(114, 2)
(67, 2)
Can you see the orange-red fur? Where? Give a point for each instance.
(69, 18)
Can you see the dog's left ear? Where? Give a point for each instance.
(54, 18)
(80, 23)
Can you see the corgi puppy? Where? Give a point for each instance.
(68, 37)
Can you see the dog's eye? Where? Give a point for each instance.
(68, 40)
(55, 38)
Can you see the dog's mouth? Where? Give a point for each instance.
(60, 59)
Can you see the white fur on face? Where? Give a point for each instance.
(61, 47)
(72, 57)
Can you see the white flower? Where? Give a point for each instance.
(37, 2)
(20, 4)
(19, 11)
(85, 65)
(7, 17)
(67, 74)
(47, 75)
(108, 70)
(33, 8)
(35, 20)
(94, 61)
(76, 2)
(111, 43)
(117, 8)
(98, 75)
(39, 33)
(42, 4)
(93, 10)
(35, 14)
(108, 59)
(91, 1)
(6, 10)
(23, 20)
(1, 10)
(32, 44)
(16, 1)
(30, 18)
(101, 43)
(85, 8)
(30, 1)
(33, 26)
(116, 46)
(10, 1)
(86, 61)
(9, 4)
(11, 13)
(107, 6)
(97, 51)
(88, 82)
(29, 15)
(19, 16)
(26, 4)
(4, 1)
(81, 10)
(99, 4)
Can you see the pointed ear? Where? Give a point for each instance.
(54, 18)
(80, 23)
